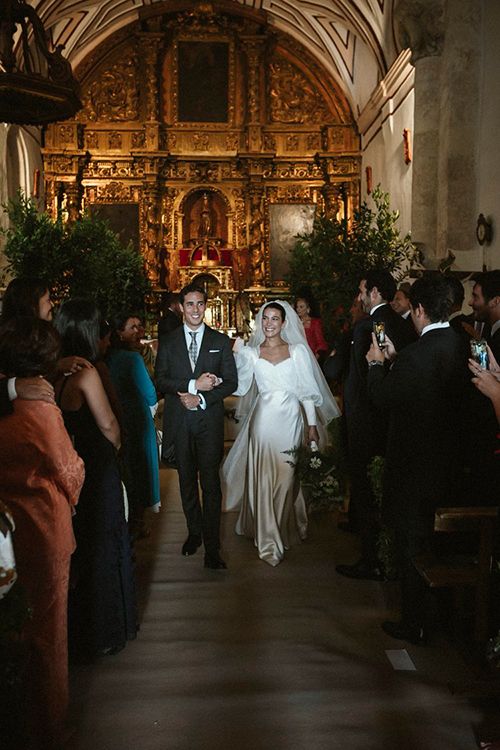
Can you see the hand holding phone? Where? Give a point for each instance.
(479, 350)
(379, 331)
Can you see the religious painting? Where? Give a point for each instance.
(203, 81)
(286, 222)
(123, 219)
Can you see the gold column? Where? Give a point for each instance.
(151, 225)
(255, 237)
(254, 47)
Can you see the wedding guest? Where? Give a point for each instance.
(485, 303)
(422, 394)
(137, 396)
(33, 389)
(457, 317)
(258, 475)
(366, 426)
(336, 367)
(401, 300)
(312, 326)
(41, 477)
(489, 384)
(480, 428)
(172, 314)
(102, 603)
(30, 297)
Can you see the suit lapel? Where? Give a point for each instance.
(182, 347)
(205, 345)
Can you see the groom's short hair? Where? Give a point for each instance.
(193, 287)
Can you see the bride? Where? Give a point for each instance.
(282, 382)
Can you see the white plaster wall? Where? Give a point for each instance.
(365, 76)
(383, 152)
(488, 150)
(20, 156)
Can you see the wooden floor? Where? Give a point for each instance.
(261, 658)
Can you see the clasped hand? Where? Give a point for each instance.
(207, 382)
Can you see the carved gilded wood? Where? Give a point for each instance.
(282, 132)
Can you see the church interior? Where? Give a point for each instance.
(210, 134)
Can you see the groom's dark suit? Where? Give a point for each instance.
(198, 436)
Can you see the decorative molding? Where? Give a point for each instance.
(396, 85)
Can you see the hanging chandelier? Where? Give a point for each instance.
(37, 85)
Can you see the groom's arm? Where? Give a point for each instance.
(227, 372)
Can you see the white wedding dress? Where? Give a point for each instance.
(257, 476)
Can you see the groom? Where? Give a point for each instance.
(195, 369)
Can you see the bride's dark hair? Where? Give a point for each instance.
(276, 306)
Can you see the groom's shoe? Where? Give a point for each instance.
(214, 561)
(191, 545)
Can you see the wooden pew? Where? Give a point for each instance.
(460, 571)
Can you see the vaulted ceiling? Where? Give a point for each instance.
(353, 39)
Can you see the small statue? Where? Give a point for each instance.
(206, 219)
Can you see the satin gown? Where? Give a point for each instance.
(257, 474)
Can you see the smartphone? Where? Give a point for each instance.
(480, 353)
(379, 331)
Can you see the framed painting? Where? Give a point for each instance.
(203, 81)
(123, 219)
(286, 222)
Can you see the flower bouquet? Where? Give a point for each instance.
(318, 476)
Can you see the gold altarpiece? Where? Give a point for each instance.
(198, 126)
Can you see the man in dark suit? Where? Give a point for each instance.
(365, 425)
(422, 394)
(172, 315)
(195, 369)
(485, 303)
(457, 317)
(401, 305)
(480, 424)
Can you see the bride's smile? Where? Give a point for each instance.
(272, 323)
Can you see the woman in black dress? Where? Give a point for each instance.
(102, 603)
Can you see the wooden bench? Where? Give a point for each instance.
(461, 570)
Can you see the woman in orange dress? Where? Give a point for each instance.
(40, 479)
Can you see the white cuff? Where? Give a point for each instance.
(192, 387)
(11, 389)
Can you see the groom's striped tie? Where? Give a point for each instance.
(193, 349)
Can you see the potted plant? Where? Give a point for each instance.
(84, 258)
(330, 259)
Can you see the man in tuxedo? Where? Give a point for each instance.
(480, 424)
(485, 304)
(422, 394)
(401, 301)
(172, 315)
(365, 425)
(195, 369)
(457, 317)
